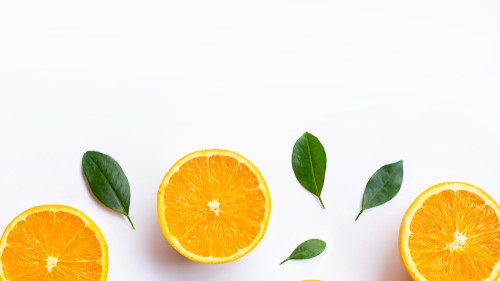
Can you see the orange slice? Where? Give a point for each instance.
(452, 232)
(53, 242)
(213, 206)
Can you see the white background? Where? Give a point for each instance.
(149, 81)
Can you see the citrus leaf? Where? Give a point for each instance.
(307, 249)
(384, 184)
(309, 164)
(107, 182)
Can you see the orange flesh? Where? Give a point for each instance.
(455, 236)
(50, 238)
(214, 206)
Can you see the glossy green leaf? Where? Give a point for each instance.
(107, 182)
(382, 186)
(309, 164)
(307, 249)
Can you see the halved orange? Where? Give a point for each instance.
(53, 242)
(452, 232)
(213, 206)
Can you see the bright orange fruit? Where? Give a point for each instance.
(53, 242)
(213, 206)
(451, 232)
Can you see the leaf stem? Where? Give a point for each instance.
(284, 261)
(321, 201)
(133, 227)
(359, 214)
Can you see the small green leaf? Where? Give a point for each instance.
(382, 186)
(307, 249)
(309, 164)
(107, 182)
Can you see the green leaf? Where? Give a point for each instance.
(382, 186)
(307, 249)
(309, 164)
(107, 182)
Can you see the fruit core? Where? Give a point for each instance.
(51, 262)
(459, 241)
(214, 206)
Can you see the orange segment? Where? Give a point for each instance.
(213, 206)
(452, 232)
(53, 242)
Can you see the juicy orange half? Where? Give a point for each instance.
(213, 206)
(53, 242)
(452, 232)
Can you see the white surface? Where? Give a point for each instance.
(147, 82)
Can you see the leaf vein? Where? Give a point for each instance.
(114, 192)
(309, 154)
